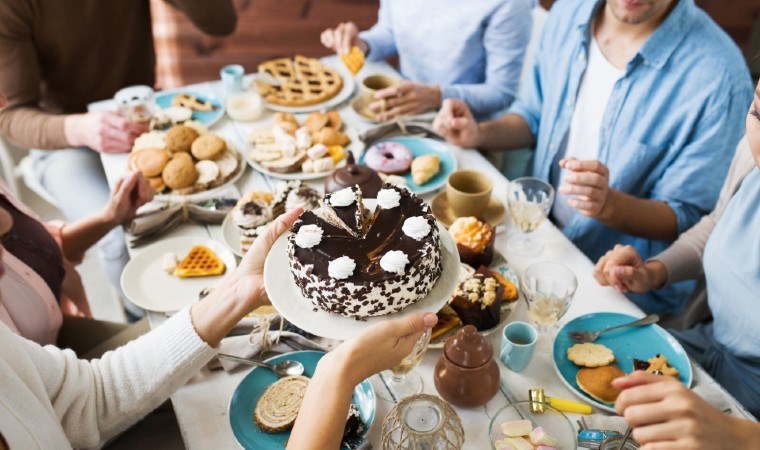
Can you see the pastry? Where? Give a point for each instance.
(244, 106)
(208, 172)
(445, 323)
(330, 136)
(354, 60)
(281, 118)
(179, 138)
(170, 262)
(354, 424)
(356, 264)
(251, 211)
(209, 146)
(192, 102)
(510, 290)
(474, 240)
(477, 300)
(151, 139)
(334, 120)
(590, 355)
(424, 168)
(157, 183)
(180, 172)
(388, 158)
(151, 161)
(597, 382)
(657, 365)
(315, 121)
(304, 197)
(277, 408)
(302, 81)
(201, 261)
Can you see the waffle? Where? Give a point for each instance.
(302, 82)
(354, 60)
(200, 262)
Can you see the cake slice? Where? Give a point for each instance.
(345, 209)
(278, 407)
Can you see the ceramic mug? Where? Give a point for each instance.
(372, 84)
(518, 341)
(468, 192)
(232, 78)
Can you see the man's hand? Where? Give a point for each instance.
(456, 124)
(406, 99)
(623, 268)
(589, 182)
(666, 415)
(130, 193)
(341, 38)
(104, 132)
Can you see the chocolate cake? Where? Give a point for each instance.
(477, 300)
(360, 264)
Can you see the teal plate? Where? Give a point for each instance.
(244, 399)
(208, 118)
(628, 343)
(424, 146)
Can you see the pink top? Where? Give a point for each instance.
(29, 307)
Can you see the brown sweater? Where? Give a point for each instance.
(56, 56)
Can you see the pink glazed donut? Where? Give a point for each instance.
(388, 157)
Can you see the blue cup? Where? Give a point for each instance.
(518, 341)
(232, 78)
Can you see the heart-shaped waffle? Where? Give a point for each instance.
(201, 261)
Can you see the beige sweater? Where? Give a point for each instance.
(683, 259)
(49, 399)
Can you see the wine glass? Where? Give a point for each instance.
(530, 200)
(548, 288)
(404, 380)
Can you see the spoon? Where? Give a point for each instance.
(282, 369)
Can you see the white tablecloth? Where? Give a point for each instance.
(201, 405)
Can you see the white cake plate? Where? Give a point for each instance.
(298, 310)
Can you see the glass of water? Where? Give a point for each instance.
(530, 200)
(548, 288)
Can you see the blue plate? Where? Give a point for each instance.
(628, 343)
(208, 118)
(425, 146)
(244, 399)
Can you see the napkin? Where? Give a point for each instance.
(398, 128)
(159, 217)
(258, 333)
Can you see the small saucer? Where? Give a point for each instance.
(493, 215)
(363, 111)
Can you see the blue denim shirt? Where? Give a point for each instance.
(670, 127)
(474, 49)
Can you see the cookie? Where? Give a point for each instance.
(334, 120)
(315, 121)
(209, 146)
(330, 136)
(180, 138)
(180, 173)
(151, 161)
(590, 355)
(659, 364)
(597, 382)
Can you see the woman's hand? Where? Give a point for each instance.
(406, 99)
(666, 415)
(456, 124)
(129, 193)
(243, 291)
(623, 268)
(341, 38)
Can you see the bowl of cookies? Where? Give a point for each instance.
(531, 425)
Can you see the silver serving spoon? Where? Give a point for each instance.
(282, 369)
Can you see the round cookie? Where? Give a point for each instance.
(597, 382)
(590, 355)
(180, 138)
(150, 161)
(180, 173)
(209, 146)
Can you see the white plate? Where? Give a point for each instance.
(356, 147)
(148, 286)
(349, 85)
(287, 298)
(231, 235)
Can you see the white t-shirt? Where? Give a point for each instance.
(583, 138)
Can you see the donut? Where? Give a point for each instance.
(390, 158)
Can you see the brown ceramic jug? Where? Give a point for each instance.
(466, 374)
(352, 175)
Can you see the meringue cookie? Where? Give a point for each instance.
(416, 227)
(394, 261)
(344, 197)
(388, 198)
(208, 171)
(341, 268)
(309, 236)
(303, 138)
(317, 151)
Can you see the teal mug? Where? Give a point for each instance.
(518, 341)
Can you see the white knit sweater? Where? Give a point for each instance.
(49, 399)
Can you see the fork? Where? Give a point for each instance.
(590, 336)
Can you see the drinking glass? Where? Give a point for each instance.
(548, 288)
(530, 200)
(404, 380)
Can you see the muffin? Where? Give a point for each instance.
(477, 300)
(304, 197)
(474, 240)
(180, 138)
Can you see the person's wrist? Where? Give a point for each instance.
(435, 97)
(657, 274)
(607, 213)
(363, 46)
(72, 130)
(107, 216)
(340, 366)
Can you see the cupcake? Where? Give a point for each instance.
(477, 300)
(304, 197)
(474, 240)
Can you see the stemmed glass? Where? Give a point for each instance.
(530, 200)
(404, 380)
(548, 288)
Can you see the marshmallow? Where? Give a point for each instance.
(518, 443)
(517, 428)
(502, 445)
(545, 447)
(540, 437)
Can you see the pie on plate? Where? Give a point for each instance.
(301, 81)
